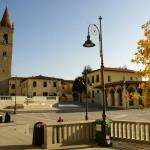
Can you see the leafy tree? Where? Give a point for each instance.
(142, 56)
(79, 85)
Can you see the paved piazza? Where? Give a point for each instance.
(78, 113)
(70, 112)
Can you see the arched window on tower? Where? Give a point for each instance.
(5, 38)
(4, 54)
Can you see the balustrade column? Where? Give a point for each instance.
(134, 131)
(65, 133)
(149, 132)
(121, 128)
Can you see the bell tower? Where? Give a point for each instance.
(6, 44)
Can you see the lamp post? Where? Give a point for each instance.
(86, 110)
(15, 96)
(104, 141)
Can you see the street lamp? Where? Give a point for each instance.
(104, 141)
(15, 107)
(86, 110)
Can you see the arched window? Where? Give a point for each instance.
(4, 54)
(130, 91)
(5, 38)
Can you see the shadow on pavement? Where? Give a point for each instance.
(18, 147)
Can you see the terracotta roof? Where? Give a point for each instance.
(43, 77)
(16, 78)
(5, 19)
(40, 77)
(114, 69)
(70, 81)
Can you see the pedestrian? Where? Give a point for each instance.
(1, 118)
(60, 119)
(7, 117)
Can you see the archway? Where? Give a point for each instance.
(112, 97)
(119, 91)
(130, 91)
(140, 91)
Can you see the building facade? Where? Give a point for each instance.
(66, 91)
(40, 86)
(119, 83)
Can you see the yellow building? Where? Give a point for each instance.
(119, 82)
(67, 90)
(40, 86)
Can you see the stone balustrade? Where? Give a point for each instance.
(64, 133)
(132, 131)
(68, 132)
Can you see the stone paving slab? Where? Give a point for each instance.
(117, 145)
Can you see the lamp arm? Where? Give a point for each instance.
(93, 31)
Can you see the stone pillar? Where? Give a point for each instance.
(116, 98)
(108, 98)
(124, 92)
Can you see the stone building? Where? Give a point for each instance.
(35, 86)
(67, 90)
(6, 45)
(40, 86)
(119, 82)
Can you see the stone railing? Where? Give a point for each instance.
(132, 131)
(68, 132)
(64, 133)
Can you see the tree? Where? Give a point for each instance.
(86, 70)
(79, 84)
(79, 87)
(142, 56)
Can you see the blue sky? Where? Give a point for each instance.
(49, 34)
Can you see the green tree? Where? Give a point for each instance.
(86, 70)
(79, 87)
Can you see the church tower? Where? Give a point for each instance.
(6, 44)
